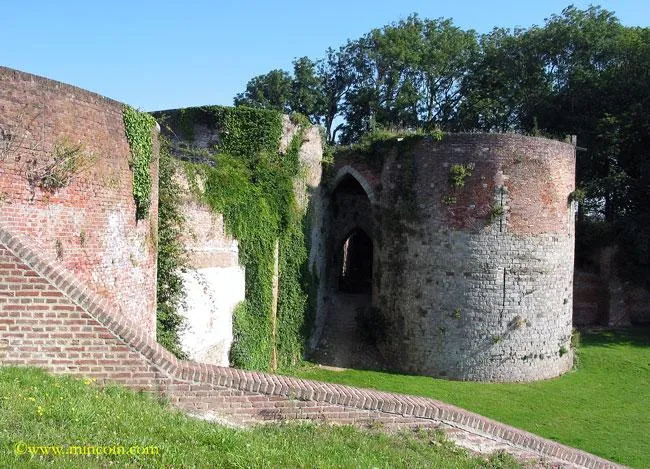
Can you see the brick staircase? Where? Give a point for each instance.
(48, 318)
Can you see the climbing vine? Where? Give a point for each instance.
(251, 184)
(172, 258)
(244, 132)
(138, 126)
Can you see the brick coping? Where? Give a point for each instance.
(45, 83)
(297, 388)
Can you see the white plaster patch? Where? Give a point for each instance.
(212, 294)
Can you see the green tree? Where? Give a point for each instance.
(269, 91)
(505, 84)
(447, 57)
(336, 72)
(306, 90)
(408, 75)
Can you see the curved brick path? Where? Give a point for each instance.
(49, 318)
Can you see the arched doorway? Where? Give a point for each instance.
(355, 275)
(350, 251)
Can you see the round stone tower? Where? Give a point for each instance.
(473, 239)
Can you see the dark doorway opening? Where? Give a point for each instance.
(350, 250)
(355, 275)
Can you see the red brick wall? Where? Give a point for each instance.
(88, 226)
(204, 234)
(40, 326)
(590, 302)
(537, 173)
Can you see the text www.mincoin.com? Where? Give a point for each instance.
(73, 450)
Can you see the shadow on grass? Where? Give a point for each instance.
(636, 336)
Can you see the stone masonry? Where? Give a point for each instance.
(474, 282)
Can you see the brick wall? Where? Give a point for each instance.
(590, 299)
(214, 283)
(42, 327)
(89, 225)
(601, 297)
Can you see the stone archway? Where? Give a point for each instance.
(350, 252)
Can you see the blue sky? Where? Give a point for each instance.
(160, 55)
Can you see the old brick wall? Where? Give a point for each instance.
(475, 282)
(602, 297)
(214, 283)
(40, 326)
(88, 226)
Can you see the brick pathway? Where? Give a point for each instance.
(341, 345)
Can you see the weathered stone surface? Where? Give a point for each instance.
(474, 282)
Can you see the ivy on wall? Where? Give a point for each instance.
(251, 184)
(243, 132)
(138, 126)
(172, 258)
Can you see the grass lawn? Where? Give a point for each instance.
(602, 406)
(38, 411)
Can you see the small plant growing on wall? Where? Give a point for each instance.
(517, 322)
(68, 159)
(577, 196)
(449, 199)
(458, 173)
(58, 249)
(437, 134)
(496, 212)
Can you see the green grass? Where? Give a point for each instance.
(39, 410)
(602, 406)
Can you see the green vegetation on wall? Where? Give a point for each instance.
(171, 256)
(243, 131)
(374, 145)
(295, 282)
(251, 184)
(68, 159)
(138, 126)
